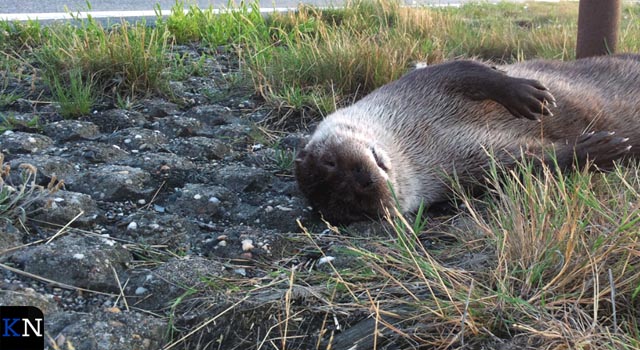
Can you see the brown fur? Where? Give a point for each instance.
(416, 132)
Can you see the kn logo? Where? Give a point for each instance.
(21, 328)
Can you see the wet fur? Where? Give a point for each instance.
(417, 131)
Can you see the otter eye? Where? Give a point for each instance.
(379, 160)
(328, 161)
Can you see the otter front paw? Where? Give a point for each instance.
(527, 98)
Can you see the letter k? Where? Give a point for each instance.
(7, 327)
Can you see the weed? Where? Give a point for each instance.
(22, 36)
(7, 99)
(10, 122)
(7, 95)
(183, 67)
(126, 102)
(283, 159)
(75, 94)
(16, 202)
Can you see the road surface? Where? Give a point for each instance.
(59, 9)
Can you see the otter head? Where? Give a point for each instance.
(345, 178)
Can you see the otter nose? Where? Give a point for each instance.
(362, 177)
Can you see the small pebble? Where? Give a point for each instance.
(132, 226)
(247, 245)
(325, 259)
(283, 208)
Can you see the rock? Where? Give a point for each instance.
(279, 213)
(238, 240)
(162, 285)
(241, 134)
(178, 90)
(47, 166)
(10, 237)
(202, 201)
(71, 130)
(241, 178)
(97, 152)
(167, 167)
(159, 108)
(295, 141)
(116, 119)
(113, 183)
(138, 139)
(199, 148)
(64, 206)
(29, 297)
(22, 142)
(177, 126)
(157, 229)
(80, 261)
(263, 158)
(210, 115)
(106, 330)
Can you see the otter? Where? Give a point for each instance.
(401, 144)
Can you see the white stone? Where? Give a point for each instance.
(247, 245)
(141, 290)
(325, 259)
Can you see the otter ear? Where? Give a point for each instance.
(381, 157)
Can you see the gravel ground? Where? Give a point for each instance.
(158, 200)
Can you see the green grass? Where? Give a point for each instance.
(74, 93)
(236, 24)
(10, 122)
(304, 63)
(126, 59)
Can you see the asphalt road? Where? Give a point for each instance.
(49, 6)
(61, 6)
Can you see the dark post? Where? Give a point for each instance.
(598, 23)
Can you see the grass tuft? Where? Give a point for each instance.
(125, 60)
(74, 93)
